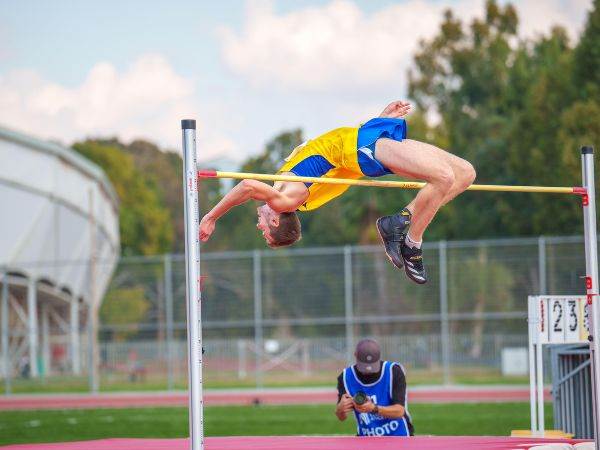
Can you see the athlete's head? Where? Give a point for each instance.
(278, 229)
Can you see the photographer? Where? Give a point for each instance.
(375, 391)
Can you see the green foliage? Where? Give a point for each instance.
(145, 224)
(512, 110)
(124, 306)
(587, 56)
(163, 171)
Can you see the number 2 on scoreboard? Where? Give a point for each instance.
(557, 322)
(557, 309)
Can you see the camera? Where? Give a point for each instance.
(360, 398)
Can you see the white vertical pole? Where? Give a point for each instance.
(532, 324)
(348, 304)
(45, 340)
(444, 325)
(32, 328)
(193, 296)
(305, 358)
(241, 345)
(93, 384)
(92, 319)
(168, 274)
(5, 335)
(74, 336)
(542, 264)
(258, 325)
(539, 349)
(591, 266)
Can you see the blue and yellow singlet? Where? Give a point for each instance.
(341, 153)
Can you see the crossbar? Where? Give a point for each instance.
(386, 183)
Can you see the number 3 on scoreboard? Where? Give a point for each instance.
(572, 322)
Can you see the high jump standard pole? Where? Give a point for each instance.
(192, 282)
(591, 279)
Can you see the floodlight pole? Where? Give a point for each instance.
(591, 279)
(193, 296)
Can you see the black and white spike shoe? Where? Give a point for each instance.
(392, 230)
(413, 263)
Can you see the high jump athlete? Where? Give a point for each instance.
(378, 147)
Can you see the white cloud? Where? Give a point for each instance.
(147, 100)
(538, 17)
(315, 67)
(329, 46)
(338, 46)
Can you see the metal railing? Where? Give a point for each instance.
(572, 390)
(293, 316)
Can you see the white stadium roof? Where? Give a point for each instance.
(55, 208)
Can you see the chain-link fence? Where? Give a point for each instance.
(292, 317)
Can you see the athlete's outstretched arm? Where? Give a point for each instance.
(244, 191)
(396, 109)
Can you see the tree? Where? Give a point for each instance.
(503, 103)
(587, 56)
(144, 220)
(163, 169)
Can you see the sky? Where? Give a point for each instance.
(244, 69)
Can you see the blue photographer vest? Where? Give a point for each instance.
(380, 393)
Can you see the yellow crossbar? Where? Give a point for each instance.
(385, 183)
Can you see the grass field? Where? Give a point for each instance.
(69, 425)
(119, 382)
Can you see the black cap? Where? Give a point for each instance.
(368, 354)
(587, 150)
(188, 124)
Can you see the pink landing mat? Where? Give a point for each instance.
(303, 443)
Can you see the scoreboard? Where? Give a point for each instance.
(553, 319)
(560, 320)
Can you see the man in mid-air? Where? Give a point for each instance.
(376, 148)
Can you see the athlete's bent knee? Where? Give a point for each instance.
(444, 178)
(467, 174)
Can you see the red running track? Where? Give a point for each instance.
(246, 397)
(303, 443)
